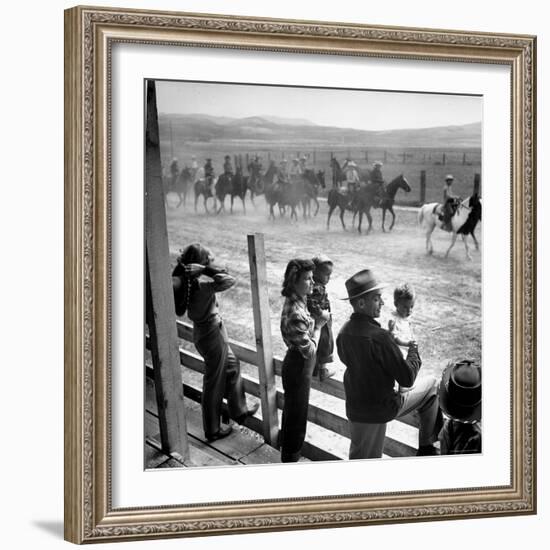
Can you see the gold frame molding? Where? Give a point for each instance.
(89, 35)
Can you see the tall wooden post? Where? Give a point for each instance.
(367, 157)
(422, 186)
(160, 311)
(444, 159)
(262, 328)
(385, 157)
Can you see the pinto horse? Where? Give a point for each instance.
(463, 222)
(366, 199)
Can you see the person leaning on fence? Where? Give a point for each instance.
(196, 280)
(300, 334)
(373, 364)
(460, 401)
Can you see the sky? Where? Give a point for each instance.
(361, 109)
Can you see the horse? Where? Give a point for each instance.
(258, 183)
(338, 175)
(204, 188)
(311, 183)
(463, 222)
(366, 199)
(284, 193)
(223, 187)
(239, 187)
(181, 185)
(342, 199)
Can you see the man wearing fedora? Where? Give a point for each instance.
(374, 363)
(460, 401)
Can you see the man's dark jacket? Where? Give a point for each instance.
(374, 362)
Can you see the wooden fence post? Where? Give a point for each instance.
(422, 186)
(444, 158)
(262, 328)
(385, 157)
(160, 311)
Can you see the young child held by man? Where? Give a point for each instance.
(399, 324)
(460, 401)
(318, 301)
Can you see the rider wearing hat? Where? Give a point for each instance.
(374, 363)
(295, 170)
(460, 401)
(377, 179)
(227, 166)
(174, 168)
(450, 202)
(209, 172)
(352, 175)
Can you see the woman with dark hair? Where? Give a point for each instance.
(195, 281)
(301, 335)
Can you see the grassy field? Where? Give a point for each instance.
(447, 316)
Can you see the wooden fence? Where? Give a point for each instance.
(402, 434)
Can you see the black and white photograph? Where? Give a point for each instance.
(323, 248)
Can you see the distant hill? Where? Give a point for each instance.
(278, 130)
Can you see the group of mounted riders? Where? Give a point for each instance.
(285, 180)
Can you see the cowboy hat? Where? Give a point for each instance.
(460, 391)
(449, 177)
(377, 163)
(351, 163)
(361, 283)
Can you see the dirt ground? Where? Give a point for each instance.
(447, 314)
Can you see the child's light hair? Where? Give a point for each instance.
(403, 292)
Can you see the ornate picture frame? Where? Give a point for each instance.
(90, 35)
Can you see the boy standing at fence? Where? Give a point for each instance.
(319, 307)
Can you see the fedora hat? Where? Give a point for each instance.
(460, 391)
(361, 283)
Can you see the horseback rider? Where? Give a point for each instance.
(174, 169)
(378, 180)
(282, 172)
(352, 175)
(194, 167)
(255, 168)
(303, 164)
(227, 166)
(295, 170)
(450, 202)
(209, 174)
